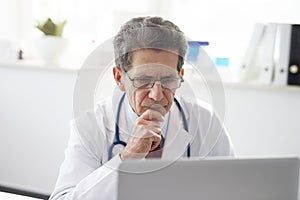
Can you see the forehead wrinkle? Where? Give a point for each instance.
(155, 72)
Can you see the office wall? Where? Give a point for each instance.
(263, 120)
(35, 111)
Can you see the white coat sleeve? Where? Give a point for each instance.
(82, 174)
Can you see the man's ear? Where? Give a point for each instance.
(118, 77)
(182, 72)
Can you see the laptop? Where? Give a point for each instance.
(274, 178)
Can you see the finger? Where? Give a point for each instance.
(156, 138)
(147, 124)
(152, 115)
(155, 115)
(159, 108)
(154, 146)
(144, 132)
(147, 134)
(145, 142)
(154, 128)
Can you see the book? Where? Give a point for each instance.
(267, 54)
(248, 67)
(294, 62)
(282, 54)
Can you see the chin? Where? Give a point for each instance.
(140, 111)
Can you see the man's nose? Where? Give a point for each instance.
(156, 92)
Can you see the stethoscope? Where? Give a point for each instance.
(118, 141)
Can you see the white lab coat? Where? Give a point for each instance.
(86, 172)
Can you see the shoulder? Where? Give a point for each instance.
(104, 113)
(206, 124)
(90, 129)
(195, 107)
(91, 118)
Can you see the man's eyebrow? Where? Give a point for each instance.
(152, 77)
(144, 75)
(169, 76)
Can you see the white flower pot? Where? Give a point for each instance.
(51, 49)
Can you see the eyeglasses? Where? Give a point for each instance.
(148, 82)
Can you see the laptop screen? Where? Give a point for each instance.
(214, 179)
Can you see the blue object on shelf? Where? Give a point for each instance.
(194, 48)
(223, 62)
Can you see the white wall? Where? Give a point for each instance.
(8, 19)
(36, 107)
(35, 110)
(263, 120)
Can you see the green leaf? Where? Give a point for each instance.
(60, 28)
(50, 28)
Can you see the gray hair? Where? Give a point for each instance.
(148, 33)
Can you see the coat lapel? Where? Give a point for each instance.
(177, 139)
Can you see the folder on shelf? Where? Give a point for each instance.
(248, 67)
(267, 54)
(282, 53)
(294, 62)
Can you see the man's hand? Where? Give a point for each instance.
(145, 136)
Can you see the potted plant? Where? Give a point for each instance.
(50, 28)
(52, 45)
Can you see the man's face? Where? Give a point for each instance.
(155, 65)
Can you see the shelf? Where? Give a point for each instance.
(37, 65)
(256, 85)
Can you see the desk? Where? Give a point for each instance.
(7, 193)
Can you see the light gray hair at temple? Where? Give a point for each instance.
(148, 33)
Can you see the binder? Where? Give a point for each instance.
(294, 62)
(282, 53)
(267, 54)
(248, 68)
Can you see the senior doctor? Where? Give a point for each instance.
(145, 120)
